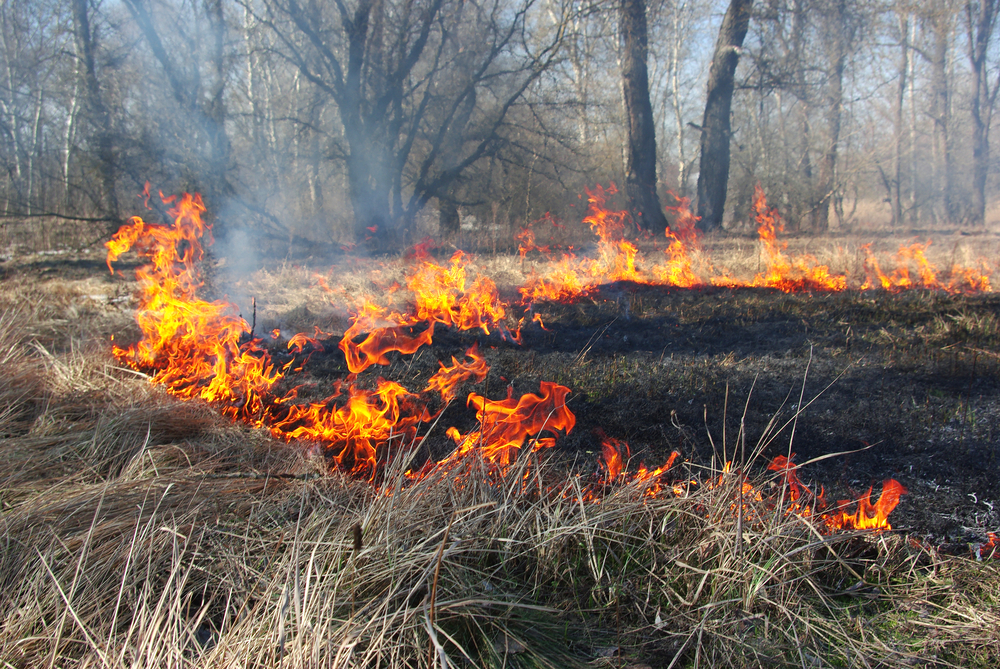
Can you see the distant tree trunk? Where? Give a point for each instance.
(448, 218)
(837, 58)
(98, 111)
(713, 176)
(640, 157)
(981, 17)
(216, 108)
(897, 152)
(805, 107)
(944, 168)
(207, 110)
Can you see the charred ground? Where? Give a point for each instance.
(903, 385)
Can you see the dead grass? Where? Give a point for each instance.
(139, 531)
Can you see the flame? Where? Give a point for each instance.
(383, 333)
(614, 454)
(192, 347)
(961, 279)
(446, 380)
(506, 424)
(442, 297)
(788, 275)
(204, 349)
(199, 349)
(356, 429)
(868, 516)
(988, 550)
(526, 240)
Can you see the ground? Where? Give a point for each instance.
(861, 386)
(900, 385)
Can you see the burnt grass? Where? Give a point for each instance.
(900, 386)
(903, 386)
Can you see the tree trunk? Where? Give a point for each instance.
(713, 174)
(981, 18)
(448, 218)
(944, 169)
(99, 114)
(897, 151)
(837, 58)
(216, 113)
(640, 157)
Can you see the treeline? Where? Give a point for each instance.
(349, 120)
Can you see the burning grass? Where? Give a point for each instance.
(207, 544)
(379, 519)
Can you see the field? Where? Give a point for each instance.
(143, 529)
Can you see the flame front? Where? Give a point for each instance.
(192, 347)
(199, 349)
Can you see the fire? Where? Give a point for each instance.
(614, 455)
(506, 424)
(866, 516)
(359, 427)
(961, 280)
(988, 550)
(569, 278)
(192, 347)
(199, 349)
(442, 297)
(205, 350)
(787, 275)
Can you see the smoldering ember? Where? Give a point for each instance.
(369, 334)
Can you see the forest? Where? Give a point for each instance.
(314, 121)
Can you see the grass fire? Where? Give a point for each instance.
(634, 451)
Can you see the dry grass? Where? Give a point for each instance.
(139, 531)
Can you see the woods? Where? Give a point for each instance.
(378, 122)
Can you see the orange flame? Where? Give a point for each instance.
(204, 349)
(961, 280)
(192, 347)
(796, 275)
(506, 424)
(200, 349)
(868, 516)
(614, 453)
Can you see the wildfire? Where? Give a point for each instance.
(569, 278)
(199, 349)
(961, 279)
(192, 347)
(205, 350)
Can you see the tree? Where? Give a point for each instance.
(202, 99)
(939, 16)
(640, 154)
(839, 37)
(716, 129)
(981, 20)
(423, 90)
(97, 110)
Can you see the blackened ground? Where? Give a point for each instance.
(903, 386)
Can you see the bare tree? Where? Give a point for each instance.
(713, 176)
(423, 90)
(981, 20)
(640, 153)
(97, 110)
(204, 102)
(939, 16)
